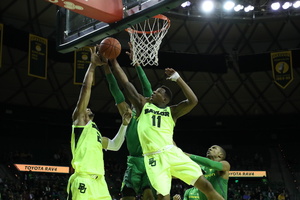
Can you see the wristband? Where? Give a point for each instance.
(174, 77)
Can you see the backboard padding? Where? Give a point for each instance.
(89, 31)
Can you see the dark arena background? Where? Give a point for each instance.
(246, 105)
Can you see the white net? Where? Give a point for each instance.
(146, 38)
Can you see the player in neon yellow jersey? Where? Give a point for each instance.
(87, 144)
(156, 121)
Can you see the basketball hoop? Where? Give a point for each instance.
(146, 37)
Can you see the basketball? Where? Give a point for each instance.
(110, 48)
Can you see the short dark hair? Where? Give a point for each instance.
(168, 92)
(223, 152)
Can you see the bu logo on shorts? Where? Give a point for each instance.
(82, 188)
(152, 162)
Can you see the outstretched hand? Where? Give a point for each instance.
(172, 74)
(176, 197)
(130, 53)
(169, 71)
(127, 117)
(97, 58)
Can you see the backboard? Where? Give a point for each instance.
(77, 30)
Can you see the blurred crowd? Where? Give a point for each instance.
(52, 186)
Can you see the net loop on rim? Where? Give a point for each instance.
(146, 38)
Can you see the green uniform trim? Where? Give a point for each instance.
(191, 194)
(114, 89)
(220, 184)
(146, 86)
(207, 162)
(211, 169)
(132, 139)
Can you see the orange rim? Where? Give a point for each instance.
(159, 16)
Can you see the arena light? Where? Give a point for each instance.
(186, 4)
(207, 6)
(249, 8)
(228, 5)
(275, 6)
(296, 4)
(238, 7)
(286, 5)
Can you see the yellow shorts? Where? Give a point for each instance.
(162, 166)
(87, 187)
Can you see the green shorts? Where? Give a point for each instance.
(85, 186)
(172, 162)
(135, 176)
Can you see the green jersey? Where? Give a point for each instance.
(191, 194)
(132, 139)
(220, 184)
(155, 128)
(86, 146)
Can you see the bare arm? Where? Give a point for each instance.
(184, 106)
(85, 92)
(131, 93)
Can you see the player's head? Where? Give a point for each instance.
(90, 114)
(161, 95)
(216, 152)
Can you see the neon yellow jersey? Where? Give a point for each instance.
(86, 146)
(155, 128)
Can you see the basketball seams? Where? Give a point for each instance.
(110, 47)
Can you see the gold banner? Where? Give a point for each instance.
(82, 59)
(42, 168)
(37, 56)
(1, 43)
(247, 174)
(282, 68)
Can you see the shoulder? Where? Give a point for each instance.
(226, 165)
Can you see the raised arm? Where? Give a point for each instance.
(85, 92)
(146, 85)
(134, 97)
(186, 105)
(115, 91)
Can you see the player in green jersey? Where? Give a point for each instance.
(156, 121)
(87, 144)
(135, 181)
(190, 194)
(216, 170)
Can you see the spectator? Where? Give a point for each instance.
(281, 196)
